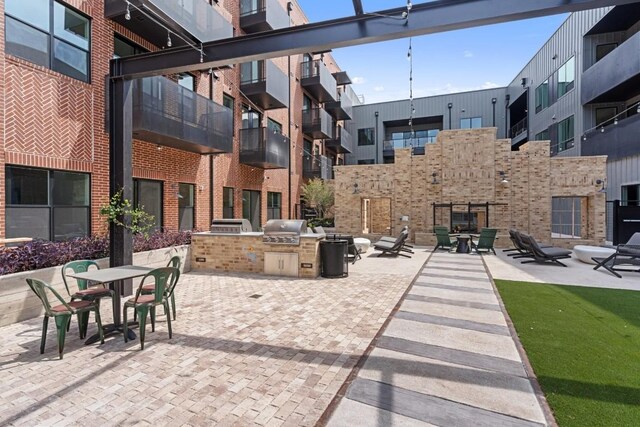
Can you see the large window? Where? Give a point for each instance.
(542, 96)
(419, 138)
(49, 34)
(229, 102)
(274, 126)
(227, 202)
(605, 115)
(50, 205)
(147, 195)
(565, 136)
(471, 123)
(186, 205)
(251, 119)
(631, 195)
(274, 205)
(542, 136)
(123, 47)
(603, 50)
(566, 77)
(366, 162)
(566, 217)
(366, 136)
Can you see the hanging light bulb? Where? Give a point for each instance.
(127, 14)
(615, 121)
(409, 5)
(638, 109)
(169, 39)
(201, 54)
(602, 129)
(584, 137)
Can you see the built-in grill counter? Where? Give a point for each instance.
(283, 249)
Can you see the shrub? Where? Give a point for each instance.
(43, 254)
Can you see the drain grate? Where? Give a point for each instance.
(255, 296)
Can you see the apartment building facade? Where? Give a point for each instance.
(225, 143)
(581, 91)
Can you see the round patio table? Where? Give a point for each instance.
(463, 243)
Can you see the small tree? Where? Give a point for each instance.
(318, 195)
(121, 212)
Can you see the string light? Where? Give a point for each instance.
(169, 39)
(615, 120)
(127, 14)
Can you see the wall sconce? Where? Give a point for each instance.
(201, 187)
(523, 82)
(434, 177)
(602, 183)
(494, 100)
(159, 147)
(355, 188)
(503, 177)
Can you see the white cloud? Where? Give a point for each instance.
(358, 80)
(489, 85)
(378, 88)
(468, 54)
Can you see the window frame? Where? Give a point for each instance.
(562, 145)
(598, 46)
(540, 106)
(371, 139)
(52, 38)
(136, 199)
(272, 207)
(192, 206)
(225, 191)
(576, 226)
(471, 120)
(51, 206)
(570, 85)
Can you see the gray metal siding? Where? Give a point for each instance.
(621, 172)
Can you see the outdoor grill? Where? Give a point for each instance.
(284, 231)
(231, 226)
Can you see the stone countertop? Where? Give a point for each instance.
(257, 234)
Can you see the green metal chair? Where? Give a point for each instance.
(164, 280)
(444, 241)
(62, 313)
(486, 240)
(150, 287)
(84, 292)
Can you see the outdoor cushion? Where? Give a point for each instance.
(75, 304)
(554, 252)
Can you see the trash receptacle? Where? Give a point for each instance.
(333, 258)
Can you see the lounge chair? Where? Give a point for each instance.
(543, 255)
(394, 248)
(625, 254)
(406, 247)
(486, 240)
(522, 250)
(444, 241)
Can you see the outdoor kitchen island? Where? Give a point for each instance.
(257, 252)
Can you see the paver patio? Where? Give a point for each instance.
(234, 360)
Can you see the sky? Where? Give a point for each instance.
(455, 61)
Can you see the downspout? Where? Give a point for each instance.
(377, 147)
(291, 144)
(210, 190)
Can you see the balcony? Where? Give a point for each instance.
(617, 141)
(519, 133)
(317, 167)
(317, 123)
(389, 146)
(195, 20)
(264, 84)
(342, 108)
(168, 114)
(615, 77)
(341, 143)
(318, 81)
(262, 15)
(263, 148)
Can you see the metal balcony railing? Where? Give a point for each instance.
(264, 148)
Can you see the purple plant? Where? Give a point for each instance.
(43, 254)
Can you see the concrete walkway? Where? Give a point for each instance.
(447, 357)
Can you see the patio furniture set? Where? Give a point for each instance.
(156, 288)
(464, 243)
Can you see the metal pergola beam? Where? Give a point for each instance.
(424, 18)
(357, 7)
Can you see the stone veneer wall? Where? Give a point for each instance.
(467, 164)
(236, 253)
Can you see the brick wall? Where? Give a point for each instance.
(467, 164)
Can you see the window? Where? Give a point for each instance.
(251, 207)
(565, 136)
(366, 136)
(186, 204)
(566, 217)
(631, 195)
(542, 96)
(229, 102)
(307, 104)
(603, 50)
(542, 136)
(187, 81)
(250, 118)
(605, 115)
(55, 37)
(50, 205)
(147, 195)
(471, 123)
(274, 205)
(250, 72)
(274, 126)
(227, 202)
(123, 47)
(566, 77)
(366, 162)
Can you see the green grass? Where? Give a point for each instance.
(584, 345)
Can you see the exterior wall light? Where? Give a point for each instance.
(355, 188)
(503, 177)
(434, 177)
(602, 183)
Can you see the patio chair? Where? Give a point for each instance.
(522, 250)
(62, 313)
(406, 247)
(151, 287)
(486, 240)
(625, 254)
(394, 248)
(444, 241)
(543, 255)
(165, 279)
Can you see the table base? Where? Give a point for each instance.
(112, 329)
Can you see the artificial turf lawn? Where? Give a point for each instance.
(584, 346)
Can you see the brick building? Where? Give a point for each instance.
(468, 179)
(54, 144)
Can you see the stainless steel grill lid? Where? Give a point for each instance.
(284, 231)
(231, 226)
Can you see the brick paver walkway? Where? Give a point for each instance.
(278, 359)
